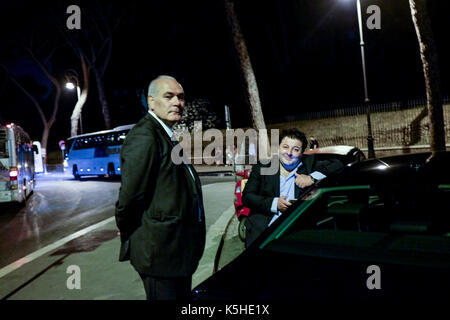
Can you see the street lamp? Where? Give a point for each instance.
(72, 83)
(370, 144)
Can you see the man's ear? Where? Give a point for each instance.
(150, 102)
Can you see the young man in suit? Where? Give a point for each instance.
(268, 196)
(160, 208)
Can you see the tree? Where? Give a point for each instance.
(93, 44)
(76, 114)
(429, 56)
(43, 66)
(249, 77)
(197, 110)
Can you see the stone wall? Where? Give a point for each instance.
(403, 128)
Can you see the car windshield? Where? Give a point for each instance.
(405, 224)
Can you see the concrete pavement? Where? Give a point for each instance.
(102, 277)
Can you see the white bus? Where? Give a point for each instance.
(96, 153)
(17, 177)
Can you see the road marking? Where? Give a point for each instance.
(32, 256)
(218, 228)
(213, 237)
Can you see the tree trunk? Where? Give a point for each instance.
(102, 97)
(249, 79)
(429, 56)
(76, 114)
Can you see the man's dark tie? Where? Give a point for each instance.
(197, 185)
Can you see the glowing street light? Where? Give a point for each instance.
(70, 85)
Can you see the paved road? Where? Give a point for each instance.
(61, 206)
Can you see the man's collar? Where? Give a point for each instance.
(168, 129)
(292, 172)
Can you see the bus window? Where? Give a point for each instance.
(4, 149)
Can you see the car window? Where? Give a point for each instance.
(400, 222)
(368, 210)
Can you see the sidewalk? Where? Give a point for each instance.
(103, 277)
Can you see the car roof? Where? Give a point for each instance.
(339, 150)
(417, 168)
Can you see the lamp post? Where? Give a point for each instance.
(72, 83)
(370, 144)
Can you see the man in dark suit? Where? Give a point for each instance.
(160, 208)
(268, 196)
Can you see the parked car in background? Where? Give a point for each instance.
(379, 230)
(348, 155)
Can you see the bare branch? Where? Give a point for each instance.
(33, 99)
(91, 47)
(108, 57)
(97, 28)
(43, 68)
(52, 52)
(100, 11)
(71, 40)
(119, 20)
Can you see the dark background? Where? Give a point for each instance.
(305, 55)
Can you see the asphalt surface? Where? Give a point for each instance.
(71, 223)
(60, 206)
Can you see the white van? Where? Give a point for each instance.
(38, 163)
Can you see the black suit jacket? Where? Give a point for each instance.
(261, 189)
(160, 208)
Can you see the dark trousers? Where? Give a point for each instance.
(167, 288)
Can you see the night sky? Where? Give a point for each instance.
(305, 54)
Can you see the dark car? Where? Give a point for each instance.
(379, 230)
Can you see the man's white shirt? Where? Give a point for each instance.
(169, 132)
(287, 188)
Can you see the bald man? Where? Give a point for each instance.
(160, 211)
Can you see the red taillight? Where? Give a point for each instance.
(13, 173)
